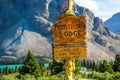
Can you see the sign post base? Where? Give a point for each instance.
(69, 69)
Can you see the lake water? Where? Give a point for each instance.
(46, 65)
(10, 66)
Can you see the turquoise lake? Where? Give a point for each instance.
(10, 66)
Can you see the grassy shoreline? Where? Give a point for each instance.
(60, 76)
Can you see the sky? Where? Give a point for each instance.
(101, 8)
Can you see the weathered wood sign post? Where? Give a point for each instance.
(69, 33)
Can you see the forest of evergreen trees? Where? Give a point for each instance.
(33, 67)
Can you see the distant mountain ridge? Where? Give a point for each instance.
(27, 26)
(114, 23)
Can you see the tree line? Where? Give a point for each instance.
(33, 67)
(57, 67)
(7, 70)
(98, 66)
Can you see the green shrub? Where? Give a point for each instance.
(25, 77)
(116, 76)
(101, 76)
(105, 76)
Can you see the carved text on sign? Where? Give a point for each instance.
(69, 33)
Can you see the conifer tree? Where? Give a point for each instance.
(116, 65)
(0, 71)
(6, 70)
(16, 69)
(56, 67)
(106, 67)
(88, 64)
(94, 65)
(10, 70)
(84, 63)
(31, 65)
(111, 62)
(77, 66)
(42, 68)
(96, 68)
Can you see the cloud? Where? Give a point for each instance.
(107, 8)
(101, 8)
(90, 4)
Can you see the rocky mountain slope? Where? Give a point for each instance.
(25, 24)
(114, 23)
(20, 38)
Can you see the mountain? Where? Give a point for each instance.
(20, 38)
(114, 23)
(101, 42)
(25, 24)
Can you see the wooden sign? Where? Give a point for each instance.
(69, 33)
